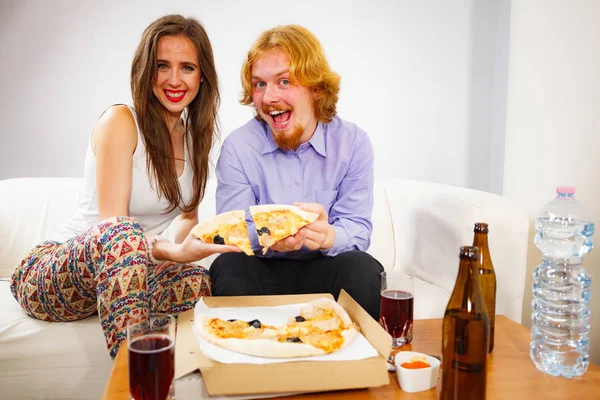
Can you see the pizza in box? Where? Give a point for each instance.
(322, 327)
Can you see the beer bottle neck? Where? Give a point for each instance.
(481, 241)
(485, 260)
(467, 294)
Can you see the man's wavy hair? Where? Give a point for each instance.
(200, 116)
(308, 66)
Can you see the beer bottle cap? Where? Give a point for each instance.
(469, 253)
(481, 227)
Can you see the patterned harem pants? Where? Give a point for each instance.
(104, 270)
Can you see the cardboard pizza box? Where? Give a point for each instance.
(302, 376)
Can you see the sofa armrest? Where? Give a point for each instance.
(431, 222)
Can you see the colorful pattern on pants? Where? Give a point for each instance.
(104, 270)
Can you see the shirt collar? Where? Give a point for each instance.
(317, 141)
(270, 145)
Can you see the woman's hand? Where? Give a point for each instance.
(191, 249)
(194, 249)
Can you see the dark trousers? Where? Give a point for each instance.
(359, 274)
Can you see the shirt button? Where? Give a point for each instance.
(296, 183)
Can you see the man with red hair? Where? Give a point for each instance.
(297, 151)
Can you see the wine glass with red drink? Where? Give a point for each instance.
(151, 345)
(397, 306)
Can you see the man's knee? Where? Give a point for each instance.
(227, 264)
(232, 274)
(361, 264)
(362, 279)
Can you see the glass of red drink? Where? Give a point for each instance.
(151, 345)
(397, 306)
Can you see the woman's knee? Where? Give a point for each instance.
(108, 234)
(112, 227)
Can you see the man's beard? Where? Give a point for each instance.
(289, 141)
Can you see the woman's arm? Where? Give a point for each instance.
(184, 224)
(114, 140)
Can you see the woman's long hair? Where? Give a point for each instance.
(201, 116)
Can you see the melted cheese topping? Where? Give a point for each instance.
(227, 231)
(235, 329)
(329, 342)
(279, 222)
(235, 235)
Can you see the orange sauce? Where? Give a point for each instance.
(415, 365)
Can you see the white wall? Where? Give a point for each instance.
(425, 79)
(553, 123)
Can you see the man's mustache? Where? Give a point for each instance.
(266, 109)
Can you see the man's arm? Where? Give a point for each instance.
(233, 189)
(350, 215)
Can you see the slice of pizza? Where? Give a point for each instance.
(322, 327)
(277, 221)
(226, 228)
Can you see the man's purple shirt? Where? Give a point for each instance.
(334, 168)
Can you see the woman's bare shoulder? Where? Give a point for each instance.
(116, 127)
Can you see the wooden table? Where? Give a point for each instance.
(511, 374)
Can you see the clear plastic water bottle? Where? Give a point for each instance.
(561, 287)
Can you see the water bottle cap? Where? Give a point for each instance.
(565, 189)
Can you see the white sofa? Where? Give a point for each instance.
(418, 228)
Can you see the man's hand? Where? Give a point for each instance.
(290, 243)
(319, 235)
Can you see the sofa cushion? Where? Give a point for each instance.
(31, 210)
(58, 360)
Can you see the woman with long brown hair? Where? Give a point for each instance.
(146, 168)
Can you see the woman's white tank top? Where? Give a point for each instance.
(145, 205)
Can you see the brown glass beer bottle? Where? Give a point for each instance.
(465, 336)
(487, 275)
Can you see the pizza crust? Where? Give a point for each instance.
(307, 215)
(228, 218)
